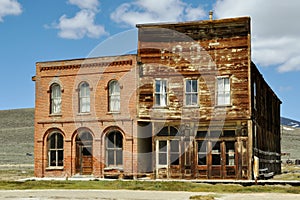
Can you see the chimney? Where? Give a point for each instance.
(211, 15)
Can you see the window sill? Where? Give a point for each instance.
(55, 115)
(54, 168)
(113, 168)
(160, 107)
(191, 107)
(84, 114)
(113, 112)
(223, 106)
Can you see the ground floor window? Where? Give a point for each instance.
(55, 150)
(114, 149)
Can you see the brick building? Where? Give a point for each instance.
(189, 105)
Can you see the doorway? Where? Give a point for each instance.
(84, 153)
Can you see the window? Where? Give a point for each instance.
(230, 153)
(55, 102)
(84, 98)
(168, 152)
(114, 149)
(114, 96)
(55, 150)
(191, 92)
(160, 93)
(168, 131)
(223, 91)
(202, 152)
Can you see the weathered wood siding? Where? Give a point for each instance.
(224, 51)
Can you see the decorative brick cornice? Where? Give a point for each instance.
(87, 65)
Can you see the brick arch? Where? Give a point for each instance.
(52, 130)
(110, 129)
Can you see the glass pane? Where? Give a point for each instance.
(188, 86)
(52, 141)
(119, 140)
(52, 158)
(60, 158)
(162, 146)
(157, 86)
(162, 158)
(173, 131)
(215, 134)
(188, 99)
(216, 148)
(87, 151)
(174, 145)
(174, 159)
(60, 141)
(194, 85)
(216, 159)
(119, 157)
(157, 99)
(229, 133)
(110, 157)
(110, 140)
(194, 99)
(201, 159)
(202, 146)
(201, 133)
(163, 132)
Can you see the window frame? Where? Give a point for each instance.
(225, 93)
(114, 96)
(191, 92)
(86, 96)
(56, 150)
(160, 93)
(115, 149)
(55, 99)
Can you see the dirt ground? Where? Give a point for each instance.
(133, 195)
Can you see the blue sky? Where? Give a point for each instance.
(43, 30)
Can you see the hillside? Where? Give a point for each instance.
(16, 134)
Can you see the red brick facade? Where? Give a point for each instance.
(69, 122)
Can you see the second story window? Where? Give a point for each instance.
(160, 93)
(114, 96)
(84, 98)
(191, 92)
(223, 91)
(55, 101)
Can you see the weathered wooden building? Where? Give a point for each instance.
(204, 105)
(191, 105)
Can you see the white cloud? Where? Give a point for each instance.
(82, 24)
(146, 11)
(79, 26)
(86, 4)
(275, 30)
(9, 7)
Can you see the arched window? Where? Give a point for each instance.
(114, 149)
(55, 150)
(55, 101)
(84, 98)
(114, 96)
